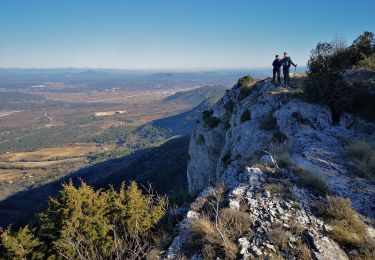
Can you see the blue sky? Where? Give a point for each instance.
(172, 34)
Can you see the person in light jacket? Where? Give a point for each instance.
(287, 62)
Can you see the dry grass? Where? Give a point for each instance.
(347, 229)
(32, 165)
(49, 154)
(264, 168)
(280, 189)
(235, 223)
(204, 237)
(362, 155)
(311, 181)
(206, 204)
(216, 234)
(281, 239)
(282, 151)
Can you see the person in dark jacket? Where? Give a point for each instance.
(287, 62)
(276, 69)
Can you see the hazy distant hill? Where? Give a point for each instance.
(184, 123)
(201, 98)
(198, 95)
(104, 78)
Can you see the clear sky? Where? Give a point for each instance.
(172, 34)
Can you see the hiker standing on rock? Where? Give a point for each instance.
(276, 69)
(287, 62)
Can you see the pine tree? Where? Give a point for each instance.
(20, 245)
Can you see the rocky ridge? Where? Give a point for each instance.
(242, 149)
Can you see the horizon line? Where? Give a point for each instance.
(136, 69)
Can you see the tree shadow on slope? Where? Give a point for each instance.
(164, 167)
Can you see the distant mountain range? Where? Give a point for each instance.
(104, 78)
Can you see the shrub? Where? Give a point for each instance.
(367, 64)
(100, 223)
(281, 238)
(229, 106)
(361, 150)
(280, 189)
(203, 236)
(347, 229)
(311, 181)
(218, 238)
(246, 116)
(278, 137)
(336, 56)
(325, 83)
(226, 160)
(363, 47)
(362, 155)
(200, 140)
(299, 118)
(20, 245)
(268, 122)
(235, 223)
(245, 84)
(281, 152)
(209, 120)
(228, 112)
(331, 89)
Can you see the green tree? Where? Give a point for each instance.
(363, 47)
(19, 245)
(86, 224)
(75, 223)
(82, 223)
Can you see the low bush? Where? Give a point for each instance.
(268, 122)
(331, 89)
(278, 137)
(280, 189)
(200, 140)
(281, 151)
(311, 181)
(362, 155)
(347, 229)
(209, 120)
(218, 238)
(229, 106)
(246, 84)
(281, 238)
(203, 236)
(367, 64)
(299, 118)
(226, 160)
(245, 116)
(235, 223)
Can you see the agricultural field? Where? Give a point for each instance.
(48, 131)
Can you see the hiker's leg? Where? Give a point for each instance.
(284, 75)
(278, 77)
(273, 76)
(287, 76)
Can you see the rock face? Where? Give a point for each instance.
(216, 153)
(248, 133)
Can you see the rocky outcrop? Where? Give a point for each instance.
(216, 153)
(247, 136)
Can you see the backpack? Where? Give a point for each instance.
(286, 62)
